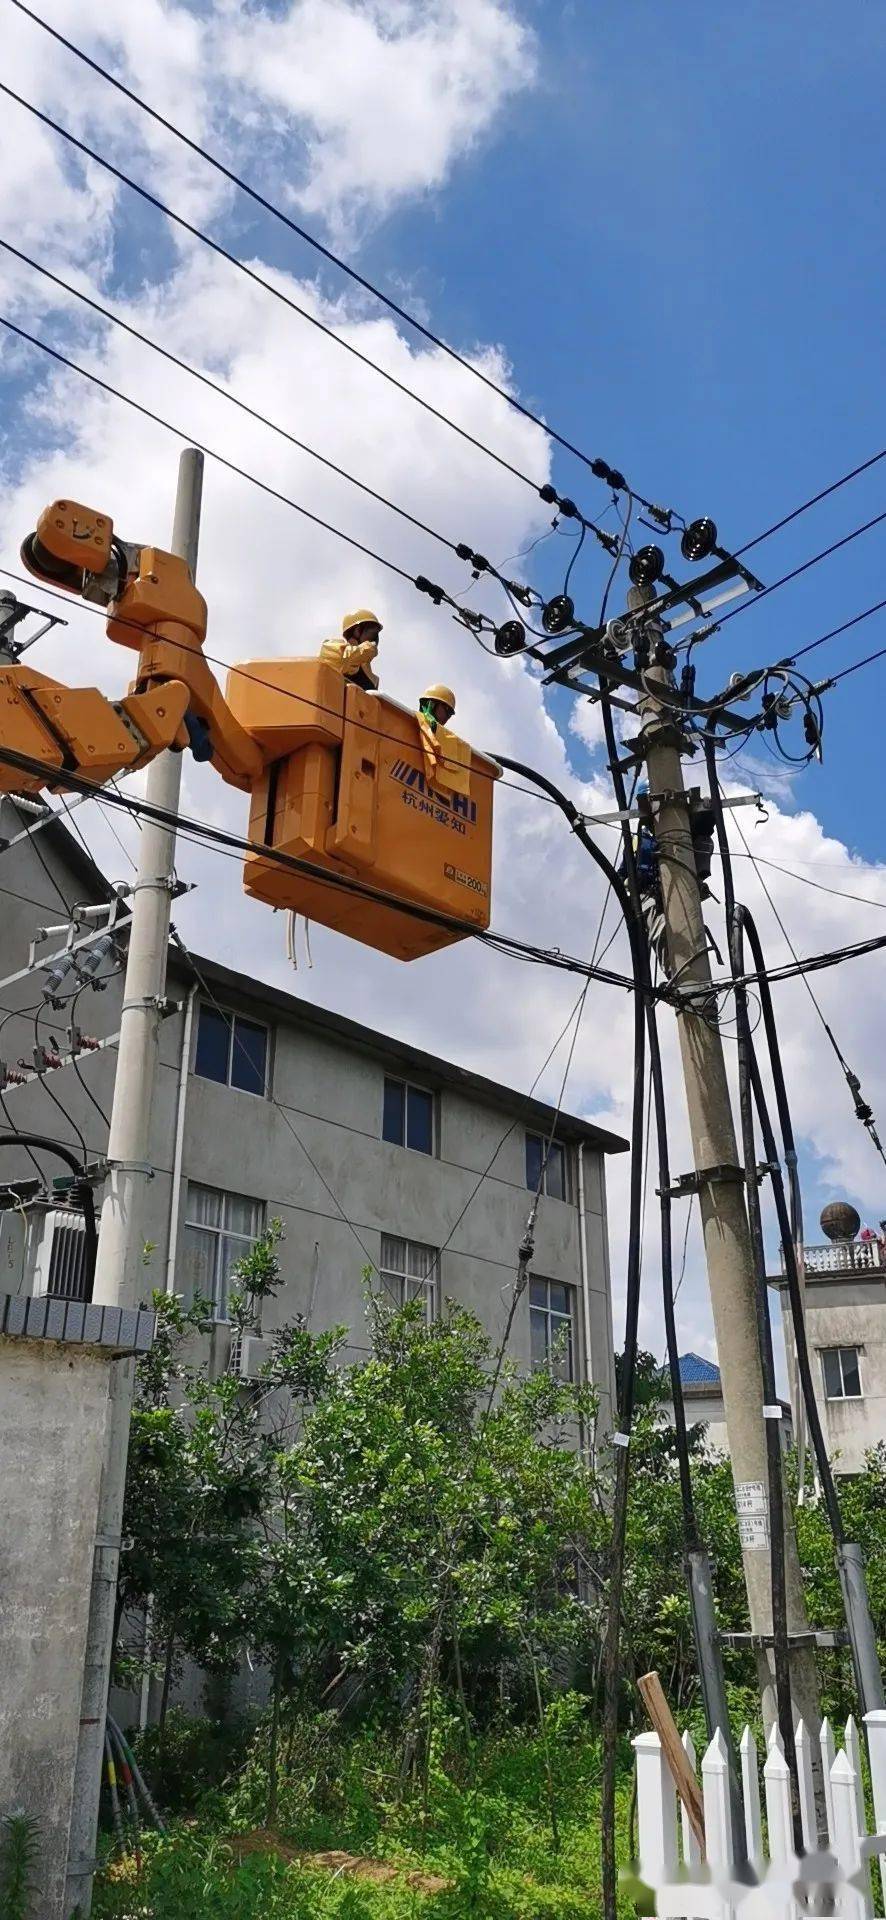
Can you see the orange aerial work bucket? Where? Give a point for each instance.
(349, 788)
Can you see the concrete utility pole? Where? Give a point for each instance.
(721, 1194)
(120, 1278)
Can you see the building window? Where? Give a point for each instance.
(545, 1166)
(842, 1373)
(231, 1050)
(408, 1271)
(408, 1116)
(219, 1229)
(551, 1327)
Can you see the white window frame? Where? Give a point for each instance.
(221, 1234)
(410, 1282)
(555, 1321)
(547, 1149)
(410, 1086)
(835, 1398)
(232, 1014)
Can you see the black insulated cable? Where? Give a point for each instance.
(781, 1653)
(82, 1190)
(600, 468)
(850, 1562)
(545, 492)
(697, 1561)
(621, 1436)
(220, 838)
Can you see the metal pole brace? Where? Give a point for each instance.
(817, 1638)
(154, 1003)
(132, 1166)
(688, 1183)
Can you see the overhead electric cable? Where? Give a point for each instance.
(868, 661)
(832, 634)
(286, 693)
(795, 572)
(225, 393)
(544, 491)
(243, 472)
(221, 837)
(303, 233)
(813, 501)
(863, 1112)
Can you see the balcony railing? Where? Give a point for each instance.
(846, 1256)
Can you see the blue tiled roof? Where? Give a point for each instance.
(696, 1372)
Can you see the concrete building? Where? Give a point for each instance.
(703, 1403)
(845, 1283)
(373, 1154)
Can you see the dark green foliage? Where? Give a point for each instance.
(19, 1851)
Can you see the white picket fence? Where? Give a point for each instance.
(690, 1888)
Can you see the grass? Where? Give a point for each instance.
(478, 1830)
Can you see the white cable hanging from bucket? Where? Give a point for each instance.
(292, 920)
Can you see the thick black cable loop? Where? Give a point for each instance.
(772, 1428)
(46, 1144)
(716, 1709)
(621, 1438)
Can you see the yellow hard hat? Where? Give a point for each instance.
(440, 693)
(362, 618)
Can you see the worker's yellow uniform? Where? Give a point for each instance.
(447, 758)
(353, 659)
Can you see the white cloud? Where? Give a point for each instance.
(346, 107)
(387, 94)
(275, 585)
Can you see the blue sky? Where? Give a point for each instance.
(664, 218)
(676, 237)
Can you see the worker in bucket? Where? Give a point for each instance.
(447, 758)
(355, 652)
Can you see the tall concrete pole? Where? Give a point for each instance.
(120, 1278)
(721, 1193)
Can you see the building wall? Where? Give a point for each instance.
(320, 1137)
(851, 1313)
(326, 1110)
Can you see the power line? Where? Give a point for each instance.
(545, 492)
(227, 841)
(243, 673)
(857, 665)
(814, 500)
(243, 473)
(436, 593)
(863, 1112)
(839, 893)
(215, 386)
(795, 572)
(270, 206)
(834, 632)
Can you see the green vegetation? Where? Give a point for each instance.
(413, 1550)
(19, 1853)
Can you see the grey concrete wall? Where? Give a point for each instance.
(852, 1427)
(320, 1136)
(53, 1404)
(326, 1109)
